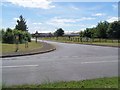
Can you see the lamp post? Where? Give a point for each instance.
(17, 41)
(36, 35)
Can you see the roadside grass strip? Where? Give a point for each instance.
(111, 82)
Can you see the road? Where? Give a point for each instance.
(68, 62)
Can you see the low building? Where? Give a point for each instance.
(43, 35)
(72, 34)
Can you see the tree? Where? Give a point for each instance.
(87, 33)
(8, 36)
(2, 33)
(114, 30)
(102, 29)
(59, 32)
(21, 24)
(81, 33)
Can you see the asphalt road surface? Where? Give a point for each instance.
(68, 62)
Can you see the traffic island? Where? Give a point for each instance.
(46, 47)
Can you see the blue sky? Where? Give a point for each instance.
(47, 16)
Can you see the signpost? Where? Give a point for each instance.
(26, 42)
(36, 35)
(17, 42)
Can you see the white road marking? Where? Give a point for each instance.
(19, 66)
(92, 62)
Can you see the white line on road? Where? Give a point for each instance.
(92, 62)
(19, 66)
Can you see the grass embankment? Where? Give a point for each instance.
(10, 48)
(94, 83)
(103, 42)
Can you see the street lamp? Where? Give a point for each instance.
(36, 35)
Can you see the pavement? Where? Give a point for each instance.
(68, 62)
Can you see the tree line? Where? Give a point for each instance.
(103, 30)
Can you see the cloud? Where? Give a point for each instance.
(63, 22)
(98, 14)
(37, 23)
(60, 22)
(86, 18)
(112, 19)
(43, 4)
(15, 19)
(74, 8)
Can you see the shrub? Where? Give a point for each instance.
(9, 36)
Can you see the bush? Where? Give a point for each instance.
(28, 35)
(9, 36)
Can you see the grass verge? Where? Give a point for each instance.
(10, 48)
(102, 43)
(93, 83)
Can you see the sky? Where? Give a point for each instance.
(47, 16)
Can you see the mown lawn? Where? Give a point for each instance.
(9, 48)
(93, 83)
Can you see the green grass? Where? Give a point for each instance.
(93, 83)
(104, 42)
(9, 48)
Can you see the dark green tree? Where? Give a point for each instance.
(102, 29)
(59, 32)
(8, 36)
(2, 33)
(114, 30)
(21, 24)
(81, 33)
(87, 33)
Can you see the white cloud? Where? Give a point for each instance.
(15, 19)
(37, 23)
(66, 22)
(75, 8)
(44, 4)
(62, 20)
(86, 18)
(98, 14)
(112, 19)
